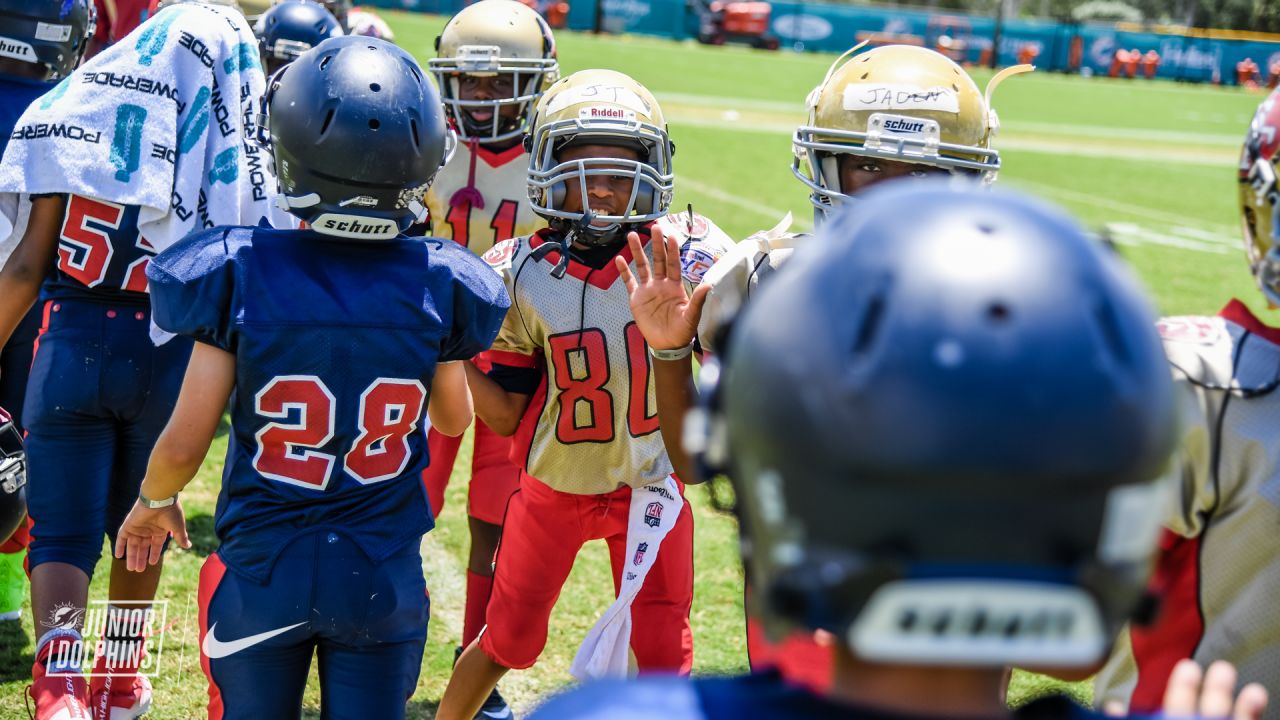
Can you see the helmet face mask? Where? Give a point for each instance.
(600, 107)
(898, 103)
(289, 29)
(489, 38)
(361, 172)
(49, 33)
(13, 477)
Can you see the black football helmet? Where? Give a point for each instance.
(52, 33)
(945, 420)
(13, 477)
(291, 28)
(357, 133)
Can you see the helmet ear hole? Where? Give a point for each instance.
(646, 200)
(830, 170)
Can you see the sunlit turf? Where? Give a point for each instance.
(1151, 164)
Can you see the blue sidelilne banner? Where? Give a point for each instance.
(834, 28)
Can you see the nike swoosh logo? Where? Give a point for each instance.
(215, 648)
(500, 715)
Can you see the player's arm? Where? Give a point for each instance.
(27, 267)
(177, 456)
(668, 319)
(675, 395)
(450, 408)
(499, 408)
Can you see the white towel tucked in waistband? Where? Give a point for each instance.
(654, 511)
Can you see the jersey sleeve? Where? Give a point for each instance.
(1195, 495)
(1200, 352)
(480, 305)
(701, 242)
(728, 279)
(517, 344)
(193, 286)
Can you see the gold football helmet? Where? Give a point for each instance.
(606, 108)
(896, 102)
(1259, 195)
(489, 38)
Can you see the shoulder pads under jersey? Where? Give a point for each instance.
(501, 255)
(1200, 349)
(734, 276)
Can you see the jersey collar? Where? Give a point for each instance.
(498, 159)
(1240, 314)
(603, 278)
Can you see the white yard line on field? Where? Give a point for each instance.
(671, 101)
(1162, 216)
(760, 210)
(730, 121)
(1177, 237)
(1098, 131)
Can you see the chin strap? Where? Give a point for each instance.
(579, 228)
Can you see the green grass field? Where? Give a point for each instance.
(1151, 162)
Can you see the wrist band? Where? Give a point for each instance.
(679, 353)
(157, 504)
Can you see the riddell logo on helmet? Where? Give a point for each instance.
(599, 112)
(904, 126)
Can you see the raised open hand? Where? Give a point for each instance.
(666, 315)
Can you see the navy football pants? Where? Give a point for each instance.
(366, 622)
(99, 394)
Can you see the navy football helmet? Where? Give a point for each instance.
(13, 477)
(52, 33)
(945, 421)
(291, 28)
(357, 133)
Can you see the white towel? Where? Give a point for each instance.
(605, 652)
(163, 120)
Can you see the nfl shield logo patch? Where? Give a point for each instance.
(640, 551)
(653, 514)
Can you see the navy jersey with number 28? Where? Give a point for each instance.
(336, 344)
